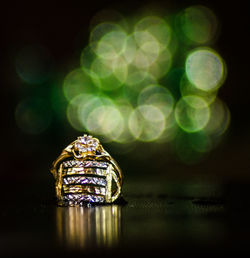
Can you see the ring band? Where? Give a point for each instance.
(86, 173)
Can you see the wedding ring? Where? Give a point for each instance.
(86, 173)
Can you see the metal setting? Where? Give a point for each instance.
(85, 172)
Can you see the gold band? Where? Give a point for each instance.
(85, 172)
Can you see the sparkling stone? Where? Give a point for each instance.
(92, 198)
(83, 139)
(97, 191)
(91, 149)
(87, 164)
(98, 171)
(84, 181)
(79, 199)
(103, 191)
(86, 143)
(83, 149)
(102, 182)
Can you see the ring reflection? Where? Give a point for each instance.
(82, 227)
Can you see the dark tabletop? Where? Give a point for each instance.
(177, 218)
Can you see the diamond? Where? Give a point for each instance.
(83, 139)
(78, 199)
(86, 143)
(99, 172)
(90, 149)
(84, 181)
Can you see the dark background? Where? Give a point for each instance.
(26, 185)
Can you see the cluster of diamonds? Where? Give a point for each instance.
(86, 144)
(85, 164)
(90, 189)
(84, 180)
(73, 199)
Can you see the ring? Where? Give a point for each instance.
(86, 173)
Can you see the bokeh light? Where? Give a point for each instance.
(76, 83)
(157, 27)
(187, 88)
(192, 113)
(33, 116)
(146, 123)
(34, 64)
(157, 96)
(219, 120)
(111, 45)
(145, 78)
(73, 111)
(205, 69)
(197, 24)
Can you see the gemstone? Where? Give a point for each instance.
(77, 199)
(86, 144)
(84, 181)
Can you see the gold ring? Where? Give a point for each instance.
(86, 173)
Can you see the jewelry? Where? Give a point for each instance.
(86, 173)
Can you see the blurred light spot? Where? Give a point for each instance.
(87, 58)
(111, 45)
(187, 88)
(91, 103)
(148, 49)
(120, 69)
(125, 109)
(34, 64)
(130, 49)
(77, 82)
(101, 30)
(198, 24)
(33, 115)
(135, 76)
(157, 27)
(219, 120)
(146, 123)
(101, 67)
(106, 120)
(108, 74)
(161, 67)
(73, 111)
(170, 131)
(111, 82)
(159, 97)
(192, 113)
(205, 69)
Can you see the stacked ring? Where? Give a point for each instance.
(86, 173)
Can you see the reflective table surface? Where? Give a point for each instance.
(172, 217)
